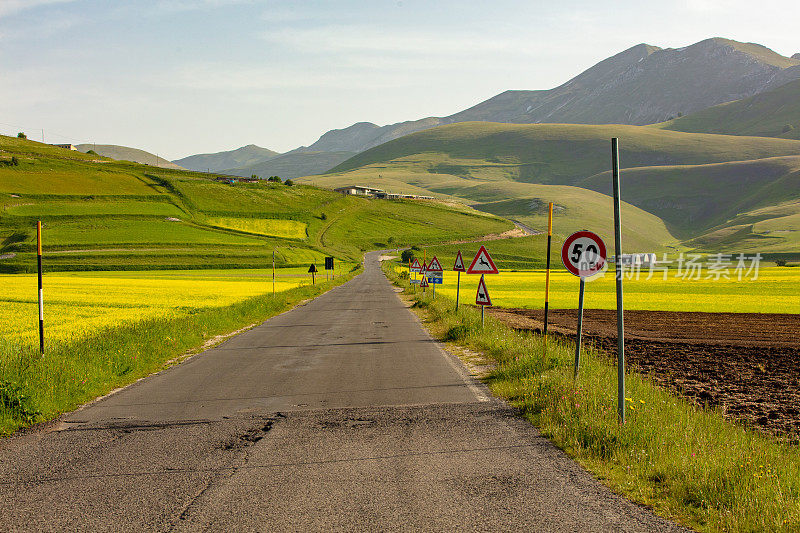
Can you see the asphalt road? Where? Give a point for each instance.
(342, 414)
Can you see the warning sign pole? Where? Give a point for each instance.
(458, 288)
(458, 266)
(482, 298)
(547, 272)
(41, 297)
(273, 272)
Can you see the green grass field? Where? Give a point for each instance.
(91, 207)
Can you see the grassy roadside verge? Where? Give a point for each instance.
(686, 463)
(36, 388)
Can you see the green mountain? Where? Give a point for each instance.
(703, 203)
(125, 153)
(219, 161)
(117, 215)
(565, 154)
(774, 113)
(679, 186)
(293, 164)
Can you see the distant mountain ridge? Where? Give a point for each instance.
(216, 162)
(126, 153)
(293, 164)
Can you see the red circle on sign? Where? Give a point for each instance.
(584, 254)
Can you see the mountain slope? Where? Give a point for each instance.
(767, 114)
(696, 199)
(564, 154)
(125, 153)
(293, 164)
(241, 157)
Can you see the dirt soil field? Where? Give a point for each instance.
(748, 365)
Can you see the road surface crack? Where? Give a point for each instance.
(236, 443)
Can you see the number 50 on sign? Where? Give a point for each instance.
(584, 254)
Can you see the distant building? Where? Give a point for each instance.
(231, 180)
(67, 146)
(360, 190)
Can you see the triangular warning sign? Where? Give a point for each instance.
(415, 267)
(435, 265)
(459, 266)
(312, 268)
(482, 297)
(424, 282)
(482, 264)
(424, 268)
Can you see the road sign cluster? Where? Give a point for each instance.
(433, 274)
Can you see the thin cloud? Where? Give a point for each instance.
(356, 38)
(12, 7)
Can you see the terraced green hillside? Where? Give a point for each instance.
(101, 214)
(679, 185)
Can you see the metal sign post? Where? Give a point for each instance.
(580, 327)
(313, 271)
(584, 255)
(618, 272)
(547, 272)
(41, 296)
(273, 272)
(482, 297)
(458, 267)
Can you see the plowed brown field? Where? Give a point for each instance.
(746, 364)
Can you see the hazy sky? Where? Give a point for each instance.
(180, 77)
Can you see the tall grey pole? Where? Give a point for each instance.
(580, 326)
(618, 272)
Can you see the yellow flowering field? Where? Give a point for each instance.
(289, 229)
(79, 303)
(775, 290)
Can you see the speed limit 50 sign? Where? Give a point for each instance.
(584, 254)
